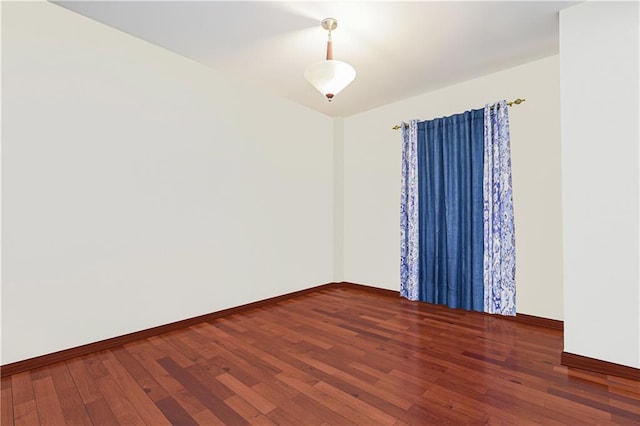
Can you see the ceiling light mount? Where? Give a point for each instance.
(329, 24)
(330, 76)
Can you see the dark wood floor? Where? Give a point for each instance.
(338, 356)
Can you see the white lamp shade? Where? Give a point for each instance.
(330, 76)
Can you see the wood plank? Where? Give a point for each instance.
(186, 400)
(227, 363)
(308, 409)
(174, 412)
(207, 377)
(130, 389)
(49, 408)
(201, 345)
(200, 391)
(275, 391)
(93, 364)
(73, 408)
(327, 401)
(582, 408)
(119, 405)
(71, 402)
(143, 378)
(430, 413)
(264, 353)
(166, 349)
(206, 417)
(248, 411)
(187, 351)
(251, 396)
(83, 380)
(26, 413)
(377, 416)
(22, 388)
(513, 406)
(146, 348)
(101, 413)
(25, 409)
(6, 403)
(282, 418)
(394, 398)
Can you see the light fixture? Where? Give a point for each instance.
(330, 76)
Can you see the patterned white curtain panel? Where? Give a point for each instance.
(409, 236)
(499, 238)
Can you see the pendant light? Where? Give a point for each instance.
(330, 76)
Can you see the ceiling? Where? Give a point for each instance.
(399, 49)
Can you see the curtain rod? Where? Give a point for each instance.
(516, 102)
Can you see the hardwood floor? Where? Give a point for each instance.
(337, 356)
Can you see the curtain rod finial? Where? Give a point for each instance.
(516, 102)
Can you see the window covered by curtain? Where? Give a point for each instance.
(457, 239)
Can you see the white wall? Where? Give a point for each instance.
(338, 199)
(141, 188)
(599, 80)
(372, 180)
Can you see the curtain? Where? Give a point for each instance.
(450, 212)
(409, 213)
(456, 215)
(499, 261)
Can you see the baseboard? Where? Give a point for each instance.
(66, 354)
(598, 366)
(370, 289)
(539, 321)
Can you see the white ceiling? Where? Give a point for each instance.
(399, 49)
